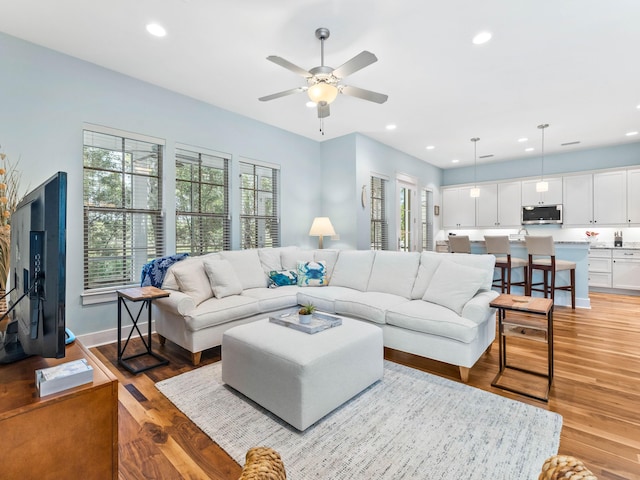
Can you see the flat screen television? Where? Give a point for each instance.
(34, 323)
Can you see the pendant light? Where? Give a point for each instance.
(475, 191)
(542, 186)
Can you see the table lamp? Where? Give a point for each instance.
(321, 227)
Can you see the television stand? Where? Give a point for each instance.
(59, 435)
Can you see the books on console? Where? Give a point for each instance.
(320, 321)
(61, 377)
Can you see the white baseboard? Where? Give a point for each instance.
(103, 337)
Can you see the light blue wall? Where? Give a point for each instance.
(598, 158)
(45, 99)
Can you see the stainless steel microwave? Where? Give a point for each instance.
(541, 214)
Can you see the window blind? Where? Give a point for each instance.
(259, 211)
(379, 227)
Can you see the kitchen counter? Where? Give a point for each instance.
(625, 245)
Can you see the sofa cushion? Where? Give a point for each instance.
(312, 274)
(292, 256)
(271, 299)
(453, 285)
(247, 265)
(192, 279)
(270, 259)
(370, 306)
(394, 272)
(216, 311)
(329, 256)
(421, 316)
(222, 277)
(283, 278)
(352, 269)
(322, 298)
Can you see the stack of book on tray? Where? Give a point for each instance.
(66, 375)
(320, 321)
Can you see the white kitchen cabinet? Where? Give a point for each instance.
(600, 267)
(626, 269)
(577, 202)
(633, 196)
(487, 206)
(610, 198)
(551, 197)
(499, 205)
(458, 208)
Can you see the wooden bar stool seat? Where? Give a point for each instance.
(542, 246)
(499, 246)
(459, 244)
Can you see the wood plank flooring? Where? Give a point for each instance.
(596, 390)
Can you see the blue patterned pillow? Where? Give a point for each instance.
(280, 279)
(312, 274)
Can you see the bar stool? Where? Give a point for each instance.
(499, 246)
(459, 244)
(543, 246)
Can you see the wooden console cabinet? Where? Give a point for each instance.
(70, 434)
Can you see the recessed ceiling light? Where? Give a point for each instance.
(482, 37)
(638, 107)
(430, 147)
(391, 127)
(631, 134)
(529, 149)
(310, 104)
(455, 160)
(156, 30)
(523, 139)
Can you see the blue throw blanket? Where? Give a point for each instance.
(153, 272)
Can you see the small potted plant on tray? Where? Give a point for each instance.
(305, 313)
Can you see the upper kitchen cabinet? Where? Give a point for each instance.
(499, 205)
(551, 197)
(633, 196)
(610, 198)
(458, 208)
(577, 202)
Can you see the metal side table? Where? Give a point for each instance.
(146, 295)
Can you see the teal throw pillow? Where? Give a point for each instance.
(312, 274)
(282, 278)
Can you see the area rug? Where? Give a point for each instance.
(409, 425)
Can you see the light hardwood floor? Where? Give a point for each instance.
(596, 390)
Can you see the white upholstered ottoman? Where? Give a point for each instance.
(297, 376)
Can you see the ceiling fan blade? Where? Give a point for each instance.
(363, 94)
(273, 96)
(323, 110)
(289, 66)
(358, 62)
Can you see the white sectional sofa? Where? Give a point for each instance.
(435, 305)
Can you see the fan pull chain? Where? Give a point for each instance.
(322, 126)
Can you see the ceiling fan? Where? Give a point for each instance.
(323, 82)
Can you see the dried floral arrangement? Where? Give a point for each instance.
(9, 198)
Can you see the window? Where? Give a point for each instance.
(259, 214)
(202, 202)
(378, 214)
(123, 225)
(427, 220)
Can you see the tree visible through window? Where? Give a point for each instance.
(202, 202)
(259, 216)
(123, 225)
(378, 214)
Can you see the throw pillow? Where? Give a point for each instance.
(192, 280)
(282, 278)
(453, 285)
(223, 278)
(312, 274)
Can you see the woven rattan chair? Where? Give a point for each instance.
(263, 463)
(542, 246)
(459, 244)
(566, 468)
(499, 246)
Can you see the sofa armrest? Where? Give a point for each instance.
(177, 302)
(477, 309)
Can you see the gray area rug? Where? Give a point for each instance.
(410, 425)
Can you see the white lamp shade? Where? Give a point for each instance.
(322, 92)
(321, 227)
(542, 186)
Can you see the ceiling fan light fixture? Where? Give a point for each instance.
(322, 92)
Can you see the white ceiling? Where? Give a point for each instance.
(570, 63)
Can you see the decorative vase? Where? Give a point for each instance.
(304, 319)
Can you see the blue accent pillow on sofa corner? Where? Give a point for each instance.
(312, 274)
(282, 278)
